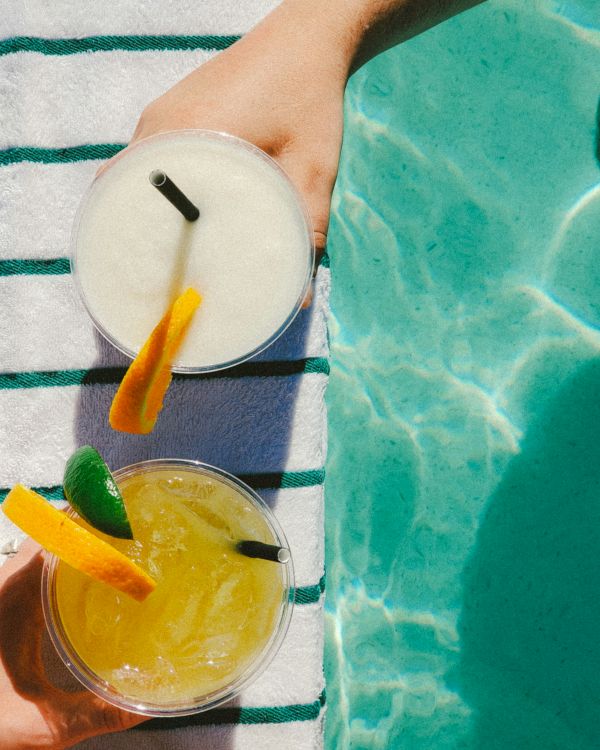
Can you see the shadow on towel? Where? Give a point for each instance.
(236, 419)
(238, 422)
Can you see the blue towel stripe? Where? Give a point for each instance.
(128, 43)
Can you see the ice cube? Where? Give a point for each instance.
(188, 488)
(102, 611)
(158, 678)
(218, 653)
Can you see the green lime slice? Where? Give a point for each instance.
(93, 493)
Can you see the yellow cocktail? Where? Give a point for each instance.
(216, 616)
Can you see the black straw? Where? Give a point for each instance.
(264, 551)
(173, 194)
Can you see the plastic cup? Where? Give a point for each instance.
(250, 254)
(149, 696)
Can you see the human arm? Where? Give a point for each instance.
(281, 86)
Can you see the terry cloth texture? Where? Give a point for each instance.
(74, 77)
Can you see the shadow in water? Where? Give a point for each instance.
(530, 666)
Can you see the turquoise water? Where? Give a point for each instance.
(463, 485)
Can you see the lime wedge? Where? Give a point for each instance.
(93, 493)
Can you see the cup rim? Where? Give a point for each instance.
(102, 687)
(215, 135)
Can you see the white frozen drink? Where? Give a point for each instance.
(249, 254)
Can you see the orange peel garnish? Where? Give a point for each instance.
(139, 398)
(74, 544)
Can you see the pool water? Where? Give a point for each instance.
(463, 477)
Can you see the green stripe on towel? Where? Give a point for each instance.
(242, 715)
(64, 155)
(129, 43)
(259, 481)
(309, 594)
(284, 480)
(54, 492)
(67, 155)
(302, 594)
(55, 266)
(18, 267)
(114, 375)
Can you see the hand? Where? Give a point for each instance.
(282, 85)
(35, 712)
(280, 88)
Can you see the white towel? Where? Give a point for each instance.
(65, 106)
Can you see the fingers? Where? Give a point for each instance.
(22, 622)
(307, 302)
(85, 715)
(26, 552)
(109, 717)
(314, 181)
(320, 240)
(320, 245)
(67, 717)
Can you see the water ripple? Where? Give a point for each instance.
(463, 407)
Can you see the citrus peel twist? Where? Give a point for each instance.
(74, 544)
(139, 398)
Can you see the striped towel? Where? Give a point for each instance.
(74, 78)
